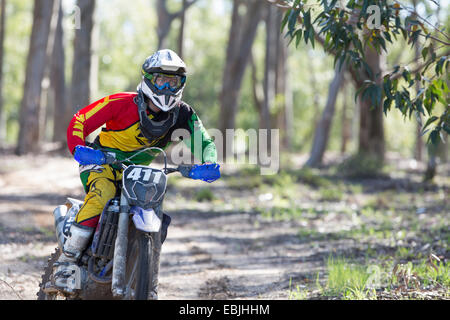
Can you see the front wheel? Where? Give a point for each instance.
(142, 267)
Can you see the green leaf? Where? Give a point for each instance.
(306, 34)
(311, 37)
(387, 36)
(284, 22)
(430, 121)
(440, 65)
(382, 43)
(368, 69)
(425, 52)
(327, 39)
(447, 128)
(434, 137)
(387, 105)
(307, 18)
(419, 107)
(298, 37)
(292, 20)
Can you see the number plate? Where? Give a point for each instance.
(144, 186)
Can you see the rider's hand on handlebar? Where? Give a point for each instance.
(86, 155)
(208, 172)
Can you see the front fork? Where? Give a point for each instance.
(120, 251)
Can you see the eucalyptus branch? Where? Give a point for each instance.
(421, 66)
(180, 12)
(423, 19)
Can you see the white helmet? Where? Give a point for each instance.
(163, 79)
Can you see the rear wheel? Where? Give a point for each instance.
(46, 278)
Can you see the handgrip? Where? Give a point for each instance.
(204, 172)
(86, 155)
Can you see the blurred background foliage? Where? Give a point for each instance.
(126, 35)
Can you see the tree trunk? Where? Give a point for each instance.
(418, 152)
(371, 132)
(181, 32)
(81, 68)
(30, 107)
(241, 37)
(283, 94)
(57, 79)
(165, 19)
(270, 71)
(315, 90)
(164, 22)
(432, 149)
(322, 132)
(47, 100)
(2, 41)
(257, 88)
(430, 172)
(346, 125)
(95, 62)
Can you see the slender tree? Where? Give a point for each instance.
(322, 131)
(181, 32)
(270, 70)
(2, 40)
(349, 29)
(283, 94)
(371, 129)
(346, 125)
(165, 19)
(81, 67)
(30, 107)
(240, 41)
(58, 85)
(47, 100)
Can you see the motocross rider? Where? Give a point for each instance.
(133, 121)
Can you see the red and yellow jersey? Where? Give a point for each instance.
(122, 134)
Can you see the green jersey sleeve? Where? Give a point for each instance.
(200, 143)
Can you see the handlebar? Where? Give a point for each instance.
(205, 172)
(121, 162)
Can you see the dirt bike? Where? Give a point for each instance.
(122, 261)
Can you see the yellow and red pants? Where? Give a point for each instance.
(101, 184)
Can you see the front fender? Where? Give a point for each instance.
(145, 220)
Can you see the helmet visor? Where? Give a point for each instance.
(164, 81)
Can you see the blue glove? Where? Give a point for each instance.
(205, 172)
(86, 155)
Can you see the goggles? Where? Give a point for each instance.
(163, 81)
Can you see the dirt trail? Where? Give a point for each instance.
(207, 255)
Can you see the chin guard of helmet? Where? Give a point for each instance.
(154, 129)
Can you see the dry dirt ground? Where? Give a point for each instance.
(223, 248)
(207, 255)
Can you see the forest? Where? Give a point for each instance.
(352, 97)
